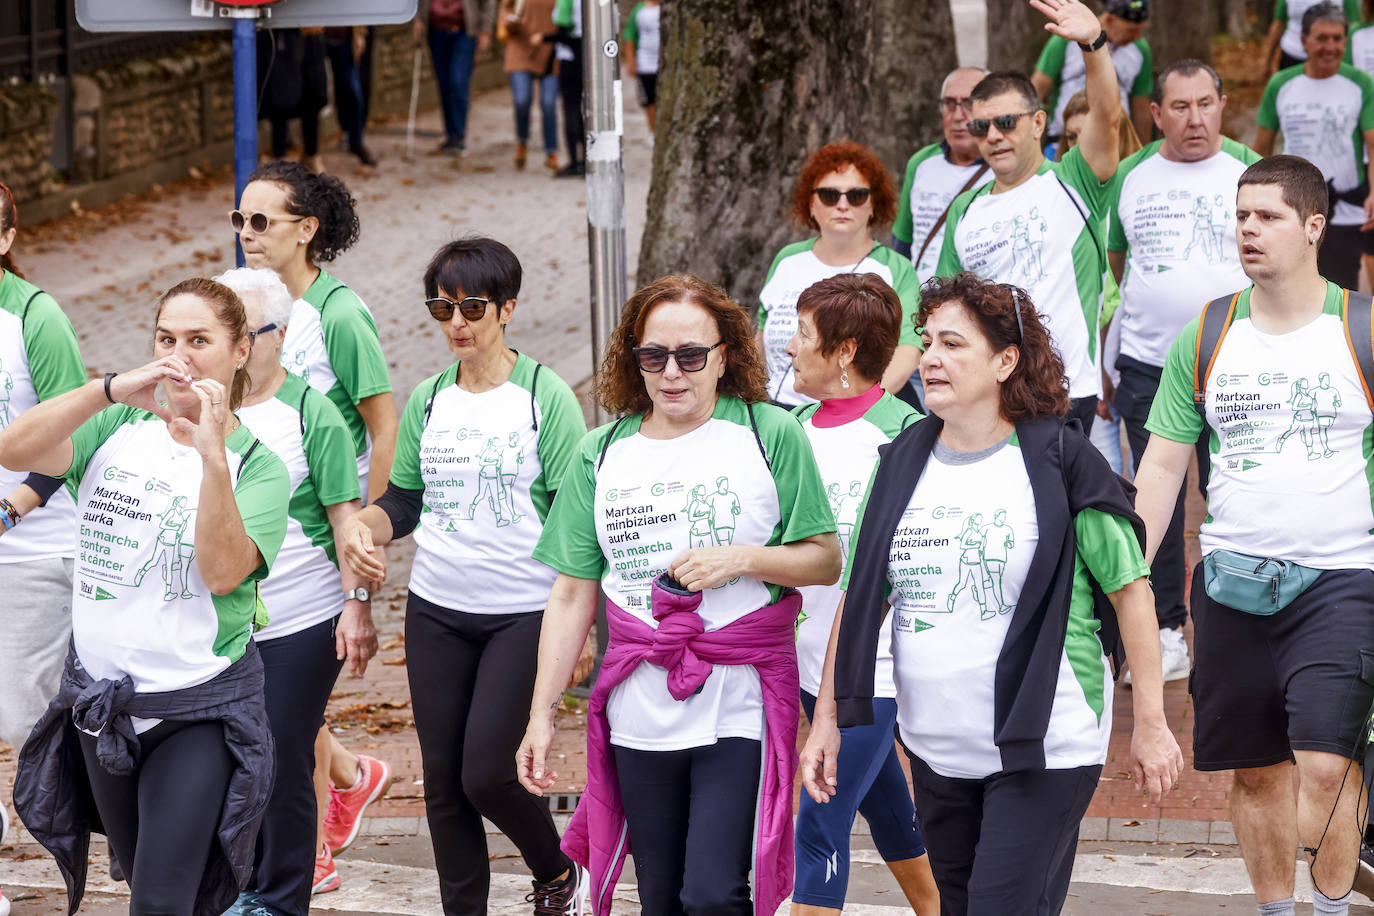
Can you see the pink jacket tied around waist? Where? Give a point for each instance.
(598, 837)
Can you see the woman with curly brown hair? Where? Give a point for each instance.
(692, 725)
(843, 192)
(1012, 560)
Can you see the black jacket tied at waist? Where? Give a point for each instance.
(1067, 475)
(51, 790)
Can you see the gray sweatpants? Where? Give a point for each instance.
(35, 631)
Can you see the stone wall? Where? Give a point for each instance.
(27, 113)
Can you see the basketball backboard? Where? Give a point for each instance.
(178, 15)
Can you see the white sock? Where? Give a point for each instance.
(1285, 907)
(1323, 905)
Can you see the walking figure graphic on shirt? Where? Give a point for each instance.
(492, 485)
(699, 514)
(724, 508)
(1304, 403)
(1208, 230)
(299, 366)
(511, 459)
(6, 386)
(845, 529)
(971, 563)
(982, 563)
(1333, 139)
(1025, 249)
(1326, 400)
(998, 539)
(172, 552)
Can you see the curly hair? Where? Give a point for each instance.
(858, 306)
(9, 219)
(833, 157)
(228, 310)
(619, 386)
(1036, 387)
(322, 196)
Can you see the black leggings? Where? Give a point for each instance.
(471, 681)
(300, 671)
(161, 820)
(691, 820)
(570, 90)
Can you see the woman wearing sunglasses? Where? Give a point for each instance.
(691, 741)
(481, 453)
(316, 617)
(993, 531)
(847, 328)
(160, 720)
(843, 192)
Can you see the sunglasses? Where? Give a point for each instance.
(1006, 123)
(949, 104)
(253, 335)
(689, 359)
(857, 197)
(258, 222)
(472, 308)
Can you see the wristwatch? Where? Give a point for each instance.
(1098, 42)
(361, 593)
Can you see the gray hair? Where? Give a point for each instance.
(1186, 67)
(1324, 12)
(263, 287)
(944, 85)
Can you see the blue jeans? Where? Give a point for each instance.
(522, 91)
(1106, 435)
(453, 54)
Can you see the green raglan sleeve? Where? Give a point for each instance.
(902, 227)
(1145, 79)
(1281, 11)
(949, 263)
(1353, 15)
(561, 428)
(1077, 174)
(802, 504)
(1240, 151)
(568, 542)
(1051, 59)
(907, 286)
(354, 348)
(631, 30)
(329, 451)
(92, 434)
(1109, 549)
(1172, 414)
(54, 358)
(405, 468)
(1366, 83)
(1268, 114)
(263, 495)
(1116, 232)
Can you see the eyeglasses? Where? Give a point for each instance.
(689, 359)
(1006, 123)
(857, 197)
(472, 308)
(253, 335)
(258, 222)
(949, 104)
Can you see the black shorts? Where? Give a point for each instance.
(648, 89)
(1301, 679)
(1338, 258)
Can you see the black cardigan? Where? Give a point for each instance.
(1067, 475)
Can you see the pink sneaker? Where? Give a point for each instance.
(346, 806)
(326, 875)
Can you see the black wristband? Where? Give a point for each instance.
(1098, 42)
(109, 377)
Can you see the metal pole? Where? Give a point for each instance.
(245, 110)
(605, 171)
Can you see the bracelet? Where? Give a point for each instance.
(1097, 42)
(109, 377)
(9, 516)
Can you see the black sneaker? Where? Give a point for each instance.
(364, 155)
(571, 170)
(568, 896)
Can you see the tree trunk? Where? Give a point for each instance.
(1015, 35)
(748, 90)
(1180, 29)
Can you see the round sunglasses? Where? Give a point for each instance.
(472, 308)
(857, 197)
(689, 359)
(258, 222)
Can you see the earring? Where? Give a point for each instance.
(844, 378)
(239, 367)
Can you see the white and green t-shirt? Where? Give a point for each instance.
(931, 183)
(794, 269)
(958, 560)
(139, 604)
(39, 359)
(1176, 221)
(1290, 435)
(304, 429)
(1323, 121)
(1045, 236)
(1359, 48)
(651, 501)
(846, 455)
(489, 465)
(642, 30)
(332, 342)
(1062, 61)
(1290, 13)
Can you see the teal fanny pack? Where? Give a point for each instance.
(1255, 585)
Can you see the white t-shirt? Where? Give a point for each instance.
(931, 183)
(1359, 50)
(1176, 221)
(1062, 61)
(642, 30)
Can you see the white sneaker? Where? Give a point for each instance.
(1173, 649)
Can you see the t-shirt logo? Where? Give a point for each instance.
(1027, 247)
(500, 464)
(982, 562)
(712, 514)
(6, 386)
(174, 551)
(1314, 411)
(299, 365)
(840, 500)
(1210, 216)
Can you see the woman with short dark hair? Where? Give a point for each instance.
(989, 527)
(481, 453)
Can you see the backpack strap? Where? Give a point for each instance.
(433, 393)
(605, 446)
(806, 411)
(25, 316)
(1357, 314)
(1212, 326)
(300, 411)
(330, 295)
(754, 425)
(248, 454)
(534, 386)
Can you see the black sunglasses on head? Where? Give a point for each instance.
(1006, 123)
(689, 359)
(857, 197)
(472, 308)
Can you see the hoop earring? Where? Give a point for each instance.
(844, 378)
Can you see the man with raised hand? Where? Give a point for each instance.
(1172, 247)
(1282, 673)
(1038, 225)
